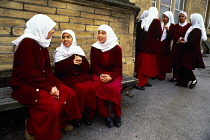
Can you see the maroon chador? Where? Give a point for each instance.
(139, 33)
(164, 56)
(147, 58)
(139, 37)
(32, 81)
(191, 58)
(109, 62)
(177, 48)
(77, 77)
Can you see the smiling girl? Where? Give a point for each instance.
(72, 68)
(106, 64)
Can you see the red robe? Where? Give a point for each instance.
(164, 55)
(139, 37)
(177, 48)
(77, 77)
(32, 80)
(109, 62)
(192, 57)
(147, 58)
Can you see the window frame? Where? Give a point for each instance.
(171, 7)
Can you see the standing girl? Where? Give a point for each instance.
(148, 66)
(139, 38)
(164, 50)
(192, 57)
(178, 33)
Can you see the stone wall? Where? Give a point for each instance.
(197, 6)
(144, 4)
(81, 16)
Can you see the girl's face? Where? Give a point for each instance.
(165, 18)
(102, 36)
(50, 33)
(182, 18)
(67, 39)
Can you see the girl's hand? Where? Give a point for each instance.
(54, 92)
(181, 40)
(167, 28)
(105, 78)
(77, 60)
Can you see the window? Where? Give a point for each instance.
(179, 6)
(165, 5)
(169, 5)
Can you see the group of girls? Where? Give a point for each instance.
(71, 95)
(154, 56)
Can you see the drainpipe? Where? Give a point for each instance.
(205, 15)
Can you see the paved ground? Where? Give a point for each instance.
(161, 112)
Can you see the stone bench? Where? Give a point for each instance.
(8, 103)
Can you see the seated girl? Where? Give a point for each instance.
(106, 64)
(51, 103)
(72, 68)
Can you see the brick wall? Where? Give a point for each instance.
(81, 16)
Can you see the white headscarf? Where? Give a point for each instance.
(64, 52)
(197, 22)
(152, 14)
(143, 15)
(37, 28)
(170, 16)
(185, 14)
(111, 40)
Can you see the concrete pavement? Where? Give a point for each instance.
(161, 112)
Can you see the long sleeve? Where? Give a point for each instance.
(112, 66)
(176, 33)
(193, 38)
(62, 67)
(85, 65)
(117, 69)
(67, 67)
(192, 57)
(94, 62)
(31, 72)
(156, 27)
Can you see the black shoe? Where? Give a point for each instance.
(148, 85)
(193, 83)
(153, 78)
(139, 87)
(117, 121)
(87, 122)
(76, 123)
(108, 121)
(173, 80)
(181, 85)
